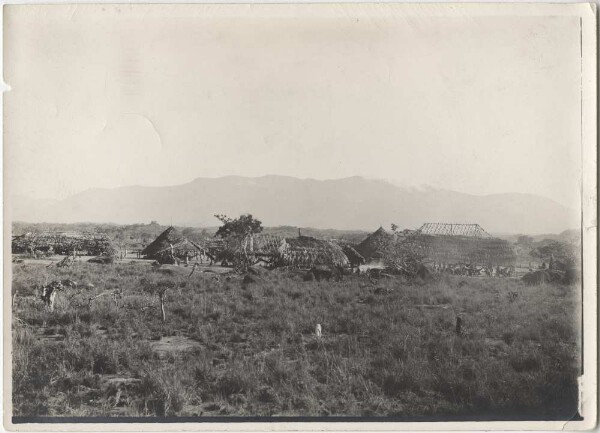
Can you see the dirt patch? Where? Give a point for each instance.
(48, 335)
(173, 345)
(118, 381)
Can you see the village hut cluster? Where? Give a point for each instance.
(464, 249)
(270, 251)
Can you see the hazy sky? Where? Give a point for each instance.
(105, 96)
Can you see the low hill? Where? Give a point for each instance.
(351, 203)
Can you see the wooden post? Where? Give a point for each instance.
(458, 325)
(53, 299)
(162, 306)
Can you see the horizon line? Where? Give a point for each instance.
(388, 181)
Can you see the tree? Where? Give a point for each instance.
(159, 289)
(555, 249)
(238, 227)
(524, 240)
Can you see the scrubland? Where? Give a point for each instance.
(233, 349)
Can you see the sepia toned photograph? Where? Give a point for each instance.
(315, 213)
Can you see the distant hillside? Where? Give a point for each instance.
(352, 203)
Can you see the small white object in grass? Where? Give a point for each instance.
(318, 330)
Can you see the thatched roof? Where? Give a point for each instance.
(164, 240)
(64, 242)
(181, 247)
(306, 251)
(375, 245)
(302, 251)
(464, 249)
(446, 243)
(354, 256)
(262, 244)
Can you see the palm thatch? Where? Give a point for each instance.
(374, 247)
(306, 252)
(354, 257)
(300, 252)
(262, 244)
(171, 243)
(64, 243)
(477, 247)
(439, 242)
(169, 237)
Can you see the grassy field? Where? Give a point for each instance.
(250, 349)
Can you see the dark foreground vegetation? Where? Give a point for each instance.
(228, 347)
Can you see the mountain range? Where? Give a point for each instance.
(348, 203)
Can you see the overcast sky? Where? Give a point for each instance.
(106, 96)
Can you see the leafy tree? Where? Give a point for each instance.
(159, 288)
(238, 227)
(549, 248)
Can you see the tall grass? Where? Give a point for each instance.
(382, 352)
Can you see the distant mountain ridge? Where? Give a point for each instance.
(348, 203)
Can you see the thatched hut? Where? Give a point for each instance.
(171, 245)
(354, 257)
(51, 242)
(471, 244)
(306, 252)
(301, 252)
(374, 247)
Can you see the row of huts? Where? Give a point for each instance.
(270, 250)
(433, 242)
